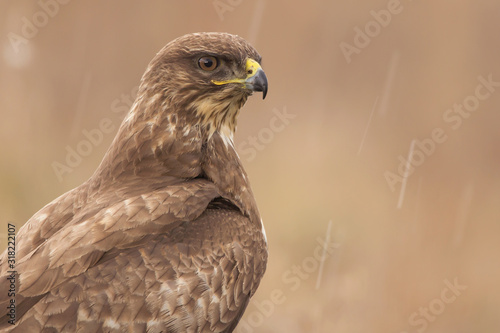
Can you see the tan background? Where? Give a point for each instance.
(352, 122)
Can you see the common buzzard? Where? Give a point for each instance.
(165, 236)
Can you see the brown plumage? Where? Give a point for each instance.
(166, 235)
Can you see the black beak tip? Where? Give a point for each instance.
(263, 84)
(259, 83)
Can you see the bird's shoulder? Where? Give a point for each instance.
(63, 239)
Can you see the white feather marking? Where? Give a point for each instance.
(227, 136)
(83, 315)
(131, 114)
(152, 322)
(111, 323)
(170, 128)
(263, 230)
(154, 121)
(153, 99)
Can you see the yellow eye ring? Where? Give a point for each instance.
(208, 63)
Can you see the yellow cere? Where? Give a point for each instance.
(251, 67)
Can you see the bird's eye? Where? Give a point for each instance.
(208, 63)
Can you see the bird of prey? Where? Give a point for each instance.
(165, 236)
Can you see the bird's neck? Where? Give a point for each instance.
(164, 148)
(222, 166)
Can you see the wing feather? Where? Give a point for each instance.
(80, 244)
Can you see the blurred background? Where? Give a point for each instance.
(374, 159)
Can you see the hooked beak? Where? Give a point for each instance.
(256, 79)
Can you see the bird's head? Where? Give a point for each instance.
(205, 78)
